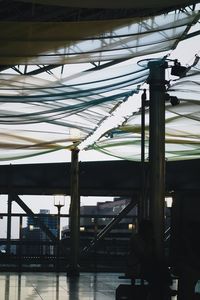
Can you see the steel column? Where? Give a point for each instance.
(74, 222)
(143, 204)
(157, 151)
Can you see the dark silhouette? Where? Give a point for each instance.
(143, 263)
(188, 262)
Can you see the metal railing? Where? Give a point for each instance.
(27, 253)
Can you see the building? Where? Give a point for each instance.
(111, 250)
(32, 232)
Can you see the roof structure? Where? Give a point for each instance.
(92, 45)
(181, 124)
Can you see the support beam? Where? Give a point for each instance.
(112, 178)
(73, 268)
(110, 225)
(157, 151)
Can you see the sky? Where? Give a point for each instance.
(185, 53)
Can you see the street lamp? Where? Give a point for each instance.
(59, 202)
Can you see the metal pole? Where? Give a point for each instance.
(58, 224)
(20, 239)
(9, 224)
(157, 151)
(58, 240)
(143, 208)
(73, 269)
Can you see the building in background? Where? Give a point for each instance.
(95, 217)
(34, 235)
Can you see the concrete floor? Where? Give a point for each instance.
(51, 286)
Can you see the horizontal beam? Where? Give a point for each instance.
(102, 178)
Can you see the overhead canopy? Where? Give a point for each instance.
(91, 41)
(42, 116)
(39, 115)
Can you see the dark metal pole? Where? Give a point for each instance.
(58, 226)
(157, 151)
(58, 240)
(20, 239)
(9, 224)
(73, 269)
(59, 204)
(143, 208)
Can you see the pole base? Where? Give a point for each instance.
(73, 271)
